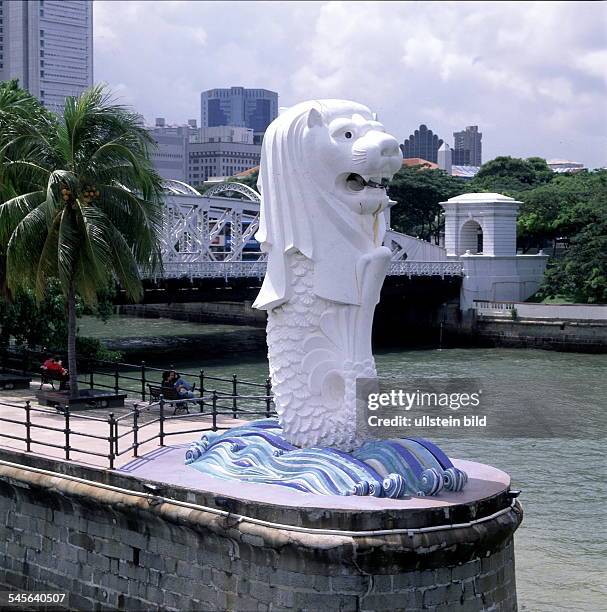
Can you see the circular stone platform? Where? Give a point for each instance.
(453, 550)
(486, 493)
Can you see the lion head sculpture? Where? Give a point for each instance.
(325, 165)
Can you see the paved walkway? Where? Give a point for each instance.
(180, 429)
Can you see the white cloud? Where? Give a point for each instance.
(530, 74)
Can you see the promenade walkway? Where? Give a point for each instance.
(89, 430)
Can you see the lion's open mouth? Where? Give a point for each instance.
(356, 182)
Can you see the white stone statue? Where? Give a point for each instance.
(324, 168)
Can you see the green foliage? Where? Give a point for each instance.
(250, 179)
(20, 114)
(417, 192)
(81, 202)
(92, 204)
(92, 348)
(572, 208)
(561, 208)
(37, 324)
(510, 175)
(581, 275)
(32, 322)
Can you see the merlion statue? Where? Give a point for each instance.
(325, 166)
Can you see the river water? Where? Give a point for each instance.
(561, 546)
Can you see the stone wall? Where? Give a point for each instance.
(232, 313)
(109, 548)
(579, 336)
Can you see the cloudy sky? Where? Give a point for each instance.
(532, 75)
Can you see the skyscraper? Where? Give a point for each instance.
(468, 149)
(239, 107)
(422, 143)
(48, 46)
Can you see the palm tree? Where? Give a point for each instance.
(88, 203)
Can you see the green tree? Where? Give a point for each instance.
(88, 206)
(561, 208)
(17, 108)
(581, 275)
(418, 192)
(510, 175)
(33, 322)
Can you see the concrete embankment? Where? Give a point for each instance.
(567, 327)
(249, 340)
(232, 313)
(107, 542)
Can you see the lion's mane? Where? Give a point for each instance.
(293, 206)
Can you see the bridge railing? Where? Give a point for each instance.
(257, 269)
(213, 269)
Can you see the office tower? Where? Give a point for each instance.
(423, 143)
(48, 46)
(467, 150)
(193, 155)
(170, 156)
(221, 151)
(240, 107)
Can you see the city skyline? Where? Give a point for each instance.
(497, 65)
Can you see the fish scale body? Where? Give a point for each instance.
(304, 412)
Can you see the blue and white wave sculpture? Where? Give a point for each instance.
(258, 453)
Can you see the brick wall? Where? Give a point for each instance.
(114, 550)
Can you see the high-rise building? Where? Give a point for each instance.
(461, 157)
(468, 150)
(423, 143)
(240, 107)
(48, 46)
(170, 156)
(193, 155)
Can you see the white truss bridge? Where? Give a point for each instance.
(212, 236)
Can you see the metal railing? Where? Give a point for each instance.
(130, 426)
(119, 376)
(425, 268)
(257, 269)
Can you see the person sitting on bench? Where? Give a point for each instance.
(183, 388)
(53, 368)
(166, 379)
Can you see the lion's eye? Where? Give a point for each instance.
(348, 134)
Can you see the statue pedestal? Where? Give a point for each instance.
(453, 551)
(203, 543)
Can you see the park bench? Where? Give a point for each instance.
(170, 395)
(10, 381)
(50, 378)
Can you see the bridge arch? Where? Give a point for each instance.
(234, 187)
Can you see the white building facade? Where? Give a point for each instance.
(480, 231)
(48, 46)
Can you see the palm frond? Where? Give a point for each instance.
(24, 249)
(14, 210)
(125, 266)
